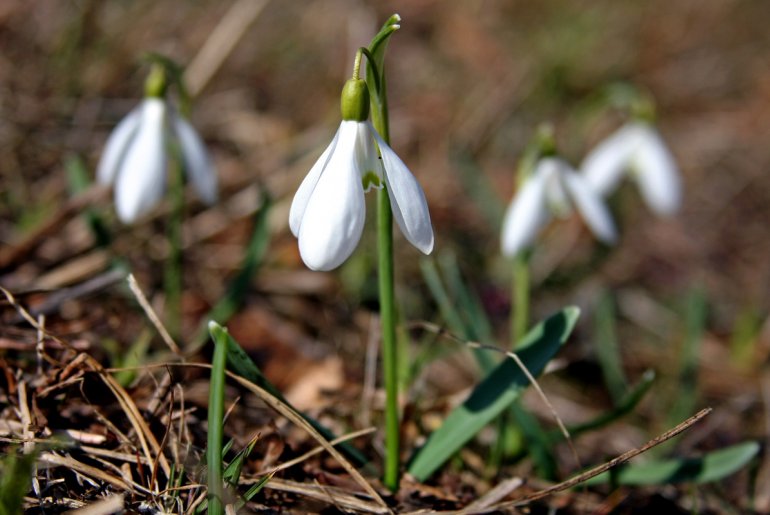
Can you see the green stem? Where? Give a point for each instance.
(172, 279)
(216, 424)
(389, 344)
(379, 114)
(520, 295)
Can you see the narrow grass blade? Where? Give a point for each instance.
(466, 329)
(232, 472)
(624, 407)
(216, 420)
(607, 351)
(241, 363)
(494, 393)
(252, 491)
(687, 383)
(712, 466)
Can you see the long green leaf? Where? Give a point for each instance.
(494, 393)
(712, 466)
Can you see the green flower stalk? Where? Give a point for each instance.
(328, 210)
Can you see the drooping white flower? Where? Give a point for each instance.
(328, 210)
(135, 158)
(552, 189)
(636, 148)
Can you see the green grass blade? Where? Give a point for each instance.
(467, 329)
(494, 393)
(232, 472)
(15, 481)
(440, 295)
(216, 420)
(607, 351)
(241, 363)
(712, 466)
(624, 407)
(687, 383)
(251, 492)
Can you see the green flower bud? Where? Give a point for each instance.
(155, 84)
(354, 102)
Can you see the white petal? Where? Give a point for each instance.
(410, 209)
(142, 175)
(115, 148)
(605, 165)
(333, 217)
(591, 206)
(526, 216)
(197, 162)
(307, 186)
(656, 173)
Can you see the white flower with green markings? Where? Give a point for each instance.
(328, 211)
(636, 149)
(136, 154)
(552, 189)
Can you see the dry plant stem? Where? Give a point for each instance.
(319, 449)
(106, 506)
(146, 438)
(221, 43)
(297, 420)
(144, 303)
(344, 501)
(606, 466)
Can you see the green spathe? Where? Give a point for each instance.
(354, 102)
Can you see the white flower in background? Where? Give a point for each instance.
(638, 149)
(553, 188)
(135, 158)
(328, 210)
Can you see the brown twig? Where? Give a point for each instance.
(584, 476)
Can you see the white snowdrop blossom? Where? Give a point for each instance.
(636, 148)
(552, 189)
(135, 158)
(328, 210)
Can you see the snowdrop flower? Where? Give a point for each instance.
(636, 148)
(135, 158)
(552, 188)
(328, 210)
